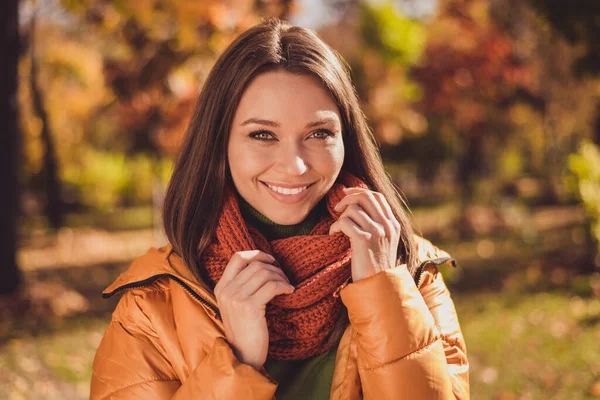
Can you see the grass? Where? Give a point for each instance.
(531, 346)
(53, 365)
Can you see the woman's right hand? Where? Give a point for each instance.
(248, 283)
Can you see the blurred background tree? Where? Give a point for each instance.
(585, 166)
(9, 145)
(577, 23)
(49, 172)
(468, 73)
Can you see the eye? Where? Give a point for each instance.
(264, 135)
(261, 135)
(326, 133)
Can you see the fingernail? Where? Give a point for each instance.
(271, 257)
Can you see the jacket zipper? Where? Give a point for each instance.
(436, 261)
(150, 280)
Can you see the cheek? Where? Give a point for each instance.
(326, 160)
(245, 160)
(335, 157)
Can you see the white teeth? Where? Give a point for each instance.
(286, 190)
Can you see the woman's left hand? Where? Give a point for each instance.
(374, 232)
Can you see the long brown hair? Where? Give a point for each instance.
(195, 192)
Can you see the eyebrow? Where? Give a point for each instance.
(274, 124)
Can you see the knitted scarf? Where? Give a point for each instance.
(318, 265)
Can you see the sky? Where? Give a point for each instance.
(315, 13)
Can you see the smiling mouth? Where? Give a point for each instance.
(287, 191)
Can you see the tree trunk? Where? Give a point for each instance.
(589, 265)
(596, 137)
(54, 204)
(9, 145)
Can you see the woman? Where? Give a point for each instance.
(292, 270)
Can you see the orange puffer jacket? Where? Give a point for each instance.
(166, 339)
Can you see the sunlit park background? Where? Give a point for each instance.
(486, 111)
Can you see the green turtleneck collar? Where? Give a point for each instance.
(273, 231)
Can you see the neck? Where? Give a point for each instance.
(272, 230)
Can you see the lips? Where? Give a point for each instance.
(287, 198)
(286, 186)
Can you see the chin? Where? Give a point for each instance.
(287, 219)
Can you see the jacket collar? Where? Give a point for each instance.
(155, 264)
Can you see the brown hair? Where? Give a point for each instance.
(195, 191)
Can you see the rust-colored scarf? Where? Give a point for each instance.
(318, 265)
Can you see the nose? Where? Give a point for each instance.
(291, 161)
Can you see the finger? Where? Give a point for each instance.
(350, 189)
(350, 228)
(258, 280)
(385, 206)
(391, 224)
(253, 268)
(269, 290)
(363, 220)
(366, 199)
(239, 261)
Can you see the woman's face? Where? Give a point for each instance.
(286, 133)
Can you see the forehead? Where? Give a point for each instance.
(284, 96)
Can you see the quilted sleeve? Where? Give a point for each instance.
(130, 363)
(409, 341)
